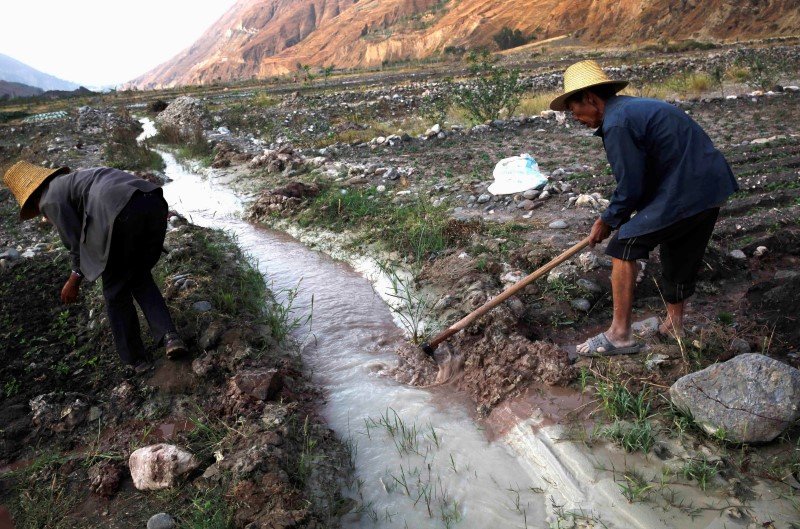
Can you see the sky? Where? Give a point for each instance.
(102, 42)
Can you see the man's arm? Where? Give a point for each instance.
(627, 158)
(68, 223)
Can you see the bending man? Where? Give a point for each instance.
(113, 225)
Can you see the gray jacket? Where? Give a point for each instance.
(83, 206)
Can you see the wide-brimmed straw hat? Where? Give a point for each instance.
(23, 179)
(580, 76)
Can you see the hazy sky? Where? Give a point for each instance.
(101, 42)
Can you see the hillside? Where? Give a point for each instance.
(9, 90)
(260, 38)
(14, 71)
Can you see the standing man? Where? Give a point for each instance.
(671, 182)
(113, 225)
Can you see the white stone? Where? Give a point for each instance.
(159, 466)
(738, 254)
(760, 251)
(558, 225)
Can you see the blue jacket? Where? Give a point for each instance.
(665, 166)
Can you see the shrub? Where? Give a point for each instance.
(507, 38)
(495, 89)
(124, 152)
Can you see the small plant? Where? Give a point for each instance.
(701, 470)
(495, 89)
(413, 309)
(123, 152)
(308, 454)
(11, 387)
(635, 487)
(619, 403)
(434, 106)
(631, 436)
(208, 510)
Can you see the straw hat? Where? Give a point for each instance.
(580, 76)
(23, 179)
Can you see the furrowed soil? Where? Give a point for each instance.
(356, 169)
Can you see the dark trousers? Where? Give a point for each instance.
(136, 243)
(683, 245)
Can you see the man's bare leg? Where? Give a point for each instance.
(673, 325)
(623, 282)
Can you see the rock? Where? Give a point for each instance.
(585, 201)
(202, 306)
(161, 520)
(760, 251)
(654, 361)
(159, 466)
(433, 131)
(589, 286)
(738, 255)
(588, 261)
(739, 346)
(564, 272)
(646, 327)
(581, 304)
(104, 479)
(210, 337)
(484, 198)
(10, 254)
(530, 194)
(558, 225)
(750, 398)
(544, 195)
(528, 205)
(261, 385)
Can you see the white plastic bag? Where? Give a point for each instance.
(516, 174)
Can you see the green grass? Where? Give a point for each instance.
(631, 436)
(701, 470)
(208, 510)
(619, 403)
(416, 229)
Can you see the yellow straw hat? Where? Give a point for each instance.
(23, 179)
(580, 76)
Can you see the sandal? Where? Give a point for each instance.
(600, 345)
(174, 346)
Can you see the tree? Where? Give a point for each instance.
(495, 88)
(507, 38)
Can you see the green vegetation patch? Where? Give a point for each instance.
(415, 228)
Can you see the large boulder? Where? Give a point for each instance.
(159, 466)
(750, 398)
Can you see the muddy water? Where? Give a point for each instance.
(420, 460)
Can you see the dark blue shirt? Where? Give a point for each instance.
(665, 166)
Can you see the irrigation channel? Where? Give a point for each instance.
(420, 459)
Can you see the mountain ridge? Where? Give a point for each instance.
(14, 71)
(262, 38)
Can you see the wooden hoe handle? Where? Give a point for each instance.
(466, 321)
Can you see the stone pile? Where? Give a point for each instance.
(284, 159)
(282, 200)
(185, 115)
(97, 121)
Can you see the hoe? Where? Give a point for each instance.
(466, 321)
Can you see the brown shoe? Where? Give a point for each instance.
(174, 346)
